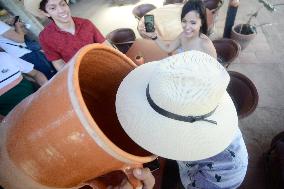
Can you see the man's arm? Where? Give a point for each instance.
(58, 64)
(17, 34)
(167, 47)
(38, 77)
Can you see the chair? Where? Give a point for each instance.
(121, 38)
(140, 10)
(166, 2)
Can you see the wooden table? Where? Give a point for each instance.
(167, 21)
(147, 49)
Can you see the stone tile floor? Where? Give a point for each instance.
(262, 62)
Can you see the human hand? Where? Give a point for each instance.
(144, 175)
(142, 31)
(19, 24)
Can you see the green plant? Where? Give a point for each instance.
(247, 28)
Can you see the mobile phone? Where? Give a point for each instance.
(16, 19)
(153, 165)
(149, 23)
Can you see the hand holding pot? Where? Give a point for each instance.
(144, 175)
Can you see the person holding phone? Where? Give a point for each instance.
(62, 38)
(193, 37)
(13, 41)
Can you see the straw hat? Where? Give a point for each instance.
(33, 7)
(155, 102)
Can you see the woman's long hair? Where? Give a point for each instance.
(199, 7)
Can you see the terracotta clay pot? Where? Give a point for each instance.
(227, 50)
(67, 132)
(243, 34)
(243, 93)
(213, 7)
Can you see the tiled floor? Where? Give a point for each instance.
(261, 61)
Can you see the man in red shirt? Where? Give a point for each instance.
(65, 35)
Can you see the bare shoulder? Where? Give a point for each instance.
(205, 41)
(208, 46)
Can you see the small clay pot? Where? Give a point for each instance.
(243, 34)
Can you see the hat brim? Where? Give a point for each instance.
(33, 7)
(166, 137)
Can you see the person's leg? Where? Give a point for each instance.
(32, 44)
(38, 59)
(15, 95)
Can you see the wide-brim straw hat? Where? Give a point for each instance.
(187, 84)
(33, 7)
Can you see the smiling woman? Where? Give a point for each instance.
(64, 36)
(193, 21)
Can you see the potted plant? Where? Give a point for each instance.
(244, 33)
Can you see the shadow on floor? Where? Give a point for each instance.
(123, 2)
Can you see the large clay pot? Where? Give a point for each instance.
(243, 34)
(227, 50)
(67, 132)
(243, 93)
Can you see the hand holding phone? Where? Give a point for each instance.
(16, 19)
(149, 23)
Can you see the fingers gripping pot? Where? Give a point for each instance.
(67, 132)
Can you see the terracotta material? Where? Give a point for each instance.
(227, 50)
(148, 48)
(140, 10)
(242, 39)
(121, 38)
(243, 93)
(67, 132)
(213, 5)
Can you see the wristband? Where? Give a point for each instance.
(154, 38)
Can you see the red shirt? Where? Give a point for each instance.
(58, 44)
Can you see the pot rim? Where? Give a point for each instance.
(84, 115)
(236, 25)
(233, 42)
(253, 89)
